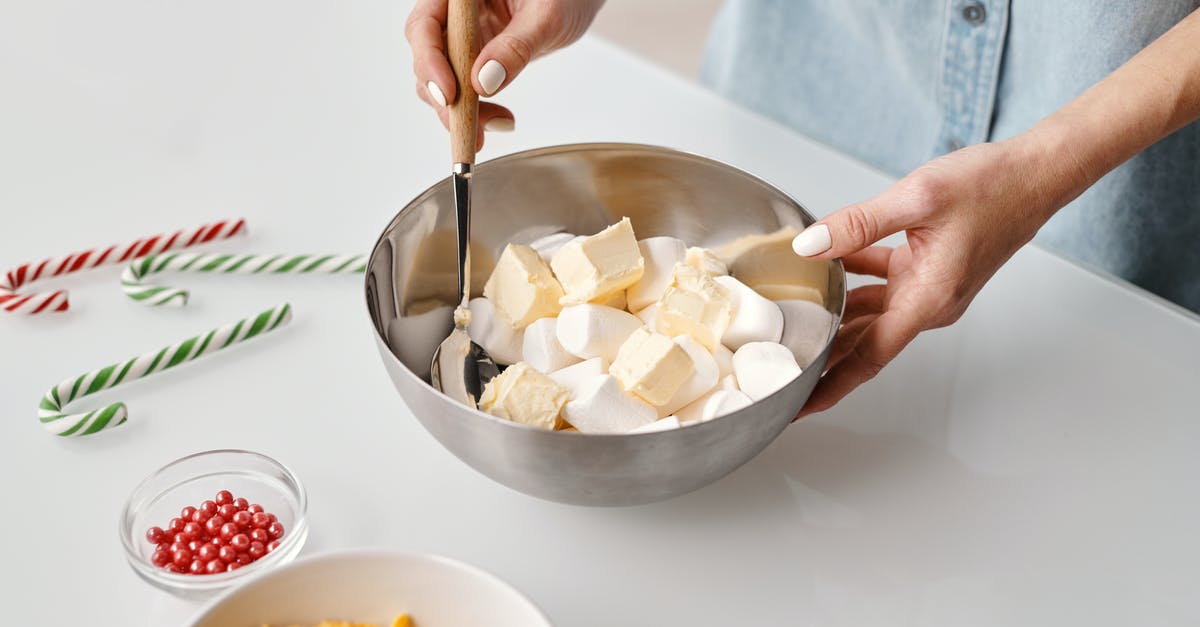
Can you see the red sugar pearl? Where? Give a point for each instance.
(227, 511)
(229, 530)
(176, 546)
(172, 568)
(213, 525)
(176, 525)
(244, 558)
(275, 530)
(272, 517)
(199, 516)
(196, 567)
(156, 535)
(192, 531)
(260, 535)
(241, 503)
(214, 567)
(240, 542)
(180, 538)
(254, 508)
(181, 558)
(257, 550)
(273, 545)
(161, 558)
(232, 566)
(242, 519)
(195, 545)
(223, 497)
(209, 508)
(261, 520)
(187, 512)
(208, 552)
(227, 554)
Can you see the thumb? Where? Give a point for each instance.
(851, 229)
(503, 58)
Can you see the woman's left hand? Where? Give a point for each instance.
(964, 215)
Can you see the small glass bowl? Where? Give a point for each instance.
(194, 479)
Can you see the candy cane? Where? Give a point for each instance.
(131, 279)
(50, 410)
(40, 302)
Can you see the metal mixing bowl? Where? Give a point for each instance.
(581, 189)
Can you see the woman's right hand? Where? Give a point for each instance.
(512, 33)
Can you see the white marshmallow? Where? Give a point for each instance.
(413, 338)
(762, 368)
(755, 319)
(588, 331)
(703, 378)
(664, 424)
(806, 327)
(602, 406)
(494, 333)
(660, 254)
(713, 405)
(548, 245)
(540, 347)
(729, 382)
(649, 317)
(724, 358)
(573, 377)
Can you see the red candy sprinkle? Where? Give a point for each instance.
(216, 536)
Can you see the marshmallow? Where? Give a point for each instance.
(695, 304)
(724, 358)
(663, 424)
(494, 333)
(729, 382)
(713, 405)
(588, 331)
(651, 366)
(755, 319)
(522, 288)
(649, 317)
(705, 374)
(548, 245)
(806, 327)
(762, 368)
(540, 347)
(522, 394)
(602, 406)
(705, 261)
(660, 255)
(573, 377)
(594, 268)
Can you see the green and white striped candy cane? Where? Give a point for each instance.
(51, 411)
(131, 279)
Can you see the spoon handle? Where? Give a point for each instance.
(462, 43)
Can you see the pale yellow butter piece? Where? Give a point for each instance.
(522, 394)
(696, 305)
(522, 288)
(652, 366)
(790, 292)
(768, 262)
(705, 261)
(595, 268)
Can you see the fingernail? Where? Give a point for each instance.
(812, 241)
(435, 92)
(491, 77)
(502, 125)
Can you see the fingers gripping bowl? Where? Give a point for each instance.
(577, 189)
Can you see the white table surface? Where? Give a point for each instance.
(1038, 463)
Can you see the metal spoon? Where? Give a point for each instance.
(461, 368)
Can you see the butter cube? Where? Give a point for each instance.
(522, 288)
(594, 268)
(522, 394)
(694, 305)
(768, 260)
(705, 261)
(651, 366)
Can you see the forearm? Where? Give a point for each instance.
(1149, 97)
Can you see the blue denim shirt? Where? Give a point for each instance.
(898, 82)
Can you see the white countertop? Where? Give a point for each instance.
(1037, 464)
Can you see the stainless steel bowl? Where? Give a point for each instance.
(579, 188)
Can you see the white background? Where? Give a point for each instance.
(1034, 464)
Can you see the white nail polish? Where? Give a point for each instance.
(491, 77)
(435, 92)
(812, 241)
(502, 125)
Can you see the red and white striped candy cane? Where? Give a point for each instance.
(40, 302)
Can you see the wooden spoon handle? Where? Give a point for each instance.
(462, 43)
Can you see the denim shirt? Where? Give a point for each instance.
(898, 82)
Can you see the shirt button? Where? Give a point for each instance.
(974, 13)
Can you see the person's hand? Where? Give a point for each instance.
(512, 33)
(964, 215)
